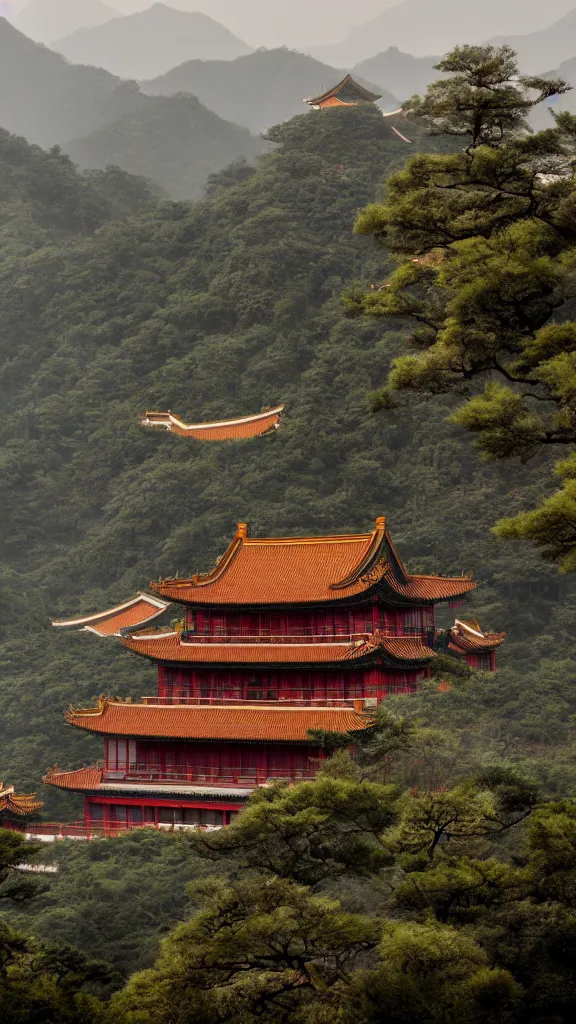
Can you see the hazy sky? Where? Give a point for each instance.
(300, 23)
(279, 22)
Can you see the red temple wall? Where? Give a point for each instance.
(311, 621)
(118, 813)
(181, 682)
(208, 763)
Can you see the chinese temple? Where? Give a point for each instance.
(13, 805)
(347, 93)
(223, 430)
(466, 639)
(285, 639)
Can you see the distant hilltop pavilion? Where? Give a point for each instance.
(347, 93)
(284, 639)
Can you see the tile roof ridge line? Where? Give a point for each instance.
(96, 713)
(219, 423)
(140, 596)
(343, 538)
(377, 539)
(151, 636)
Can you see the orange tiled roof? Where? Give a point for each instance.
(347, 84)
(431, 588)
(83, 778)
(248, 724)
(137, 611)
(18, 804)
(276, 650)
(468, 638)
(224, 430)
(297, 570)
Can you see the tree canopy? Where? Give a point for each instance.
(484, 239)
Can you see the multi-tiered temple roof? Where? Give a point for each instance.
(302, 570)
(284, 640)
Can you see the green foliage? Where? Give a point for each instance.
(401, 885)
(269, 949)
(98, 327)
(112, 901)
(486, 242)
(316, 831)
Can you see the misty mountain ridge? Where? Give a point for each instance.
(259, 90)
(422, 27)
(545, 49)
(400, 73)
(172, 140)
(47, 20)
(50, 101)
(152, 42)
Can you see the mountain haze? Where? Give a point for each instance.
(259, 90)
(422, 27)
(151, 43)
(47, 20)
(399, 72)
(544, 49)
(175, 141)
(43, 97)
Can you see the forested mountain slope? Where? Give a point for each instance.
(216, 310)
(172, 140)
(259, 90)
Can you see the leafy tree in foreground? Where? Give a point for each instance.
(267, 949)
(316, 831)
(486, 243)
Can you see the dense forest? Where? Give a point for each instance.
(429, 877)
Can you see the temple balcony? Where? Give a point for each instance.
(97, 828)
(200, 775)
(217, 634)
(359, 703)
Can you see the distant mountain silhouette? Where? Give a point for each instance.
(46, 20)
(399, 72)
(174, 140)
(43, 97)
(150, 43)
(545, 49)
(259, 90)
(422, 27)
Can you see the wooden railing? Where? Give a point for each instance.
(289, 702)
(313, 636)
(249, 778)
(94, 829)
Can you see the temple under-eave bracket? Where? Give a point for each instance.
(223, 430)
